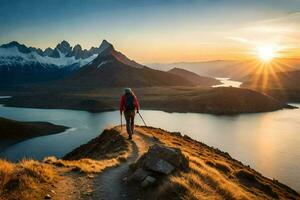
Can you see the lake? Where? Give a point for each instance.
(268, 142)
(227, 82)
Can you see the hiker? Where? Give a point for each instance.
(129, 104)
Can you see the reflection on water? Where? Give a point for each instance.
(5, 97)
(226, 82)
(268, 142)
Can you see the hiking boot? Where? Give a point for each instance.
(130, 137)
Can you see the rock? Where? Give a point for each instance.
(186, 137)
(159, 165)
(172, 156)
(148, 181)
(48, 196)
(158, 162)
(52, 191)
(139, 175)
(178, 134)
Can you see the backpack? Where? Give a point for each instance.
(129, 102)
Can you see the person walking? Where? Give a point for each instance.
(129, 105)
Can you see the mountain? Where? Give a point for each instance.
(216, 68)
(193, 77)
(281, 80)
(281, 85)
(233, 69)
(22, 64)
(113, 69)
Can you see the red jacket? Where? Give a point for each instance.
(122, 103)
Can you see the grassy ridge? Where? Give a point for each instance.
(212, 174)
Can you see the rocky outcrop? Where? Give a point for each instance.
(158, 162)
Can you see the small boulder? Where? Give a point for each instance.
(148, 181)
(186, 137)
(159, 165)
(48, 196)
(139, 175)
(178, 134)
(161, 156)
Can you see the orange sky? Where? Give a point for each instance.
(158, 31)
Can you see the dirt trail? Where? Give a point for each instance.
(111, 184)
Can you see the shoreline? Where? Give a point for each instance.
(218, 101)
(13, 132)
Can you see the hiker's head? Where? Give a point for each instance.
(128, 91)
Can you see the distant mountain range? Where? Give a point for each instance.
(238, 70)
(19, 63)
(112, 68)
(101, 66)
(193, 77)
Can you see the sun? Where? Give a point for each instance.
(266, 53)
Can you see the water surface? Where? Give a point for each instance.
(268, 142)
(227, 82)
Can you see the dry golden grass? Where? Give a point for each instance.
(27, 179)
(104, 154)
(213, 174)
(87, 165)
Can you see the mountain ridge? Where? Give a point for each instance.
(111, 68)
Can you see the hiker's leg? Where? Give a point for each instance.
(128, 127)
(132, 122)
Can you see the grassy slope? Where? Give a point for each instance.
(30, 179)
(213, 174)
(15, 130)
(26, 180)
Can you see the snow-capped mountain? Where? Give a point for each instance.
(63, 55)
(19, 63)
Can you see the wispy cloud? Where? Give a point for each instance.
(239, 39)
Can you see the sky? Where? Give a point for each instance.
(152, 31)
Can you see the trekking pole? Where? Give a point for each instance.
(121, 121)
(142, 119)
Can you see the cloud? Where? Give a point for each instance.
(239, 39)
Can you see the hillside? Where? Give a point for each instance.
(283, 85)
(204, 172)
(15, 130)
(113, 69)
(170, 99)
(233, 69)
(216, 101)
(195, 78)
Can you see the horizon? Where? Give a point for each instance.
(158, 32)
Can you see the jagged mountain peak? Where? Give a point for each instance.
(11, 44)
(105, 48)
(77, 47)
(64, 47)
(21, 47)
